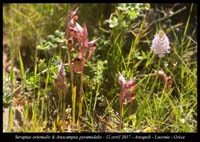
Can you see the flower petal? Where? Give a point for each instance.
(121, 79)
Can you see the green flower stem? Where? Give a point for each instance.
(121, 109)
(81, 96)
(72, 83)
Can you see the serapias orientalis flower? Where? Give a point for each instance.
(127, 93)
(75, 31)
(162, 75)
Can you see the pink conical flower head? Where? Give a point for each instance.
(160, 44)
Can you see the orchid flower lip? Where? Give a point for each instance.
(70, 40)
(78, 59)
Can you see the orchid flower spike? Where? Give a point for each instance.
(160, 44)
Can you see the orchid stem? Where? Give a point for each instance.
(81, 96)
(121, 110)
(72, 84)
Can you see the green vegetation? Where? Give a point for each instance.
(55, 99)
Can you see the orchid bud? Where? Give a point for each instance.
(162, 75)
(60, 78)
(61, 69)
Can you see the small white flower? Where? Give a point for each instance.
(160, 44)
